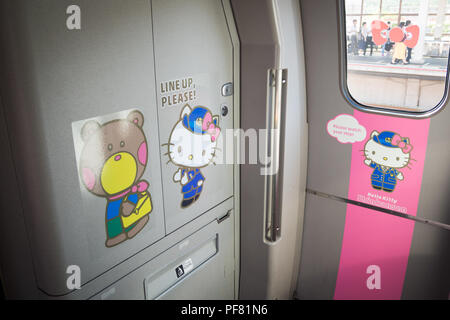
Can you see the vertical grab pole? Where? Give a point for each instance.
(276, 113)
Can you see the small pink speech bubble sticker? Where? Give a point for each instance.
(346, 129)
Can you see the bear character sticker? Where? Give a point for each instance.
(386, 152)
(112, 161)
(192, 145)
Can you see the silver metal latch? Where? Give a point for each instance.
(225, 217)
(227, 89)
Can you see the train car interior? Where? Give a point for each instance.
(224, 150)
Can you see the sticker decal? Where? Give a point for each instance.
(386, 152)
(386, 172)
(175, 92)
(112, 160)
(346, 129)
(192, 145)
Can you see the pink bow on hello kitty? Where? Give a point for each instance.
(399, 142)
(210, 127)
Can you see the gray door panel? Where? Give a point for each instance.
(325, 101)
(198, 48)
(329, 170)
(428, 264)
(427, 276)
(328, 161)
(321, 247)
(434, 202)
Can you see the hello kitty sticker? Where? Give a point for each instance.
(192, 145)
(387, 167)
(386, 153)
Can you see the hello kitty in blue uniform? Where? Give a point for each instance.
(192, 146)
(386, 152)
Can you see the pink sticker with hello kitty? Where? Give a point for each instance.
(386, 171)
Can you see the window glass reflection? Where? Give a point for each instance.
(397, 52)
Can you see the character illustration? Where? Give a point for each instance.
(112, 161)
(386, 152)
(192, 146)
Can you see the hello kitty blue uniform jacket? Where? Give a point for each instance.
(192, 188)
(383, 179)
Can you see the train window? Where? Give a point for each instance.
(396, 55)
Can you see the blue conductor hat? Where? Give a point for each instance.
(392, 140)
(194, 121)
(385, 138)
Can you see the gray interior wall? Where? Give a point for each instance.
(16, 255)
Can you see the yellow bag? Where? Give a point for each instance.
(143, 207)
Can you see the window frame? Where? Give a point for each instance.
(372, 109)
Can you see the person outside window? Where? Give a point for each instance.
(367, 36)
(409, 50)
(400, 49)
(353, 34)
(387, 45)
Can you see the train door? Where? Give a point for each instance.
(113, 113)
(377, 223)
